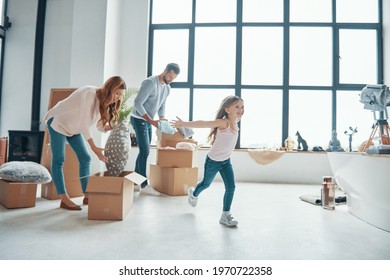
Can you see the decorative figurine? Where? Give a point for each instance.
(352, 132)
(289, 144)
(302, 142)
(334, 144)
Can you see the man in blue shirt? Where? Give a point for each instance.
(150, 101)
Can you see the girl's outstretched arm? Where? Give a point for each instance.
(220, 123)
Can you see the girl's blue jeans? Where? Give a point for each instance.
(211, 168)
(78, 144)
(143, 134)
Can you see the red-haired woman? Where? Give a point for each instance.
(71, 120)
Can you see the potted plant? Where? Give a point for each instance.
(118, 144)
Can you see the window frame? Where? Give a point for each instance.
(285, 87)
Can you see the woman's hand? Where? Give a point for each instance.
(100, 153)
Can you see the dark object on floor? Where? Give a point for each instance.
(316, 199)
(341, 199)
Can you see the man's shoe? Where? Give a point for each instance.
(192, 200)
(227, 219)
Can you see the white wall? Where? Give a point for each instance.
(18, 67)
(82, 45)
(291, 168)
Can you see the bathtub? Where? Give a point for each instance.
(366, 180)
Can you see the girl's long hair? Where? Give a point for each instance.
(109, 112)
(221, 113)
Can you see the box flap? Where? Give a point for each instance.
(105, 184)
(136, 178)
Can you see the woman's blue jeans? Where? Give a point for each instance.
(211, 168)
(143, 134)
(78, 144)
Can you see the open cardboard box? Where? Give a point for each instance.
(17, 194)
(170, 140)
(111, 198)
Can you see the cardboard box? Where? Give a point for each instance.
(17, 194)
(170, 140)
(176, 158)
(173, 143)
(111, 198)
(166, 136)
(71, 174)
(3, 149)
(173, 181)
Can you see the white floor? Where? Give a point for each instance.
(274, 224)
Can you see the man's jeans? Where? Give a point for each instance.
(143, 133)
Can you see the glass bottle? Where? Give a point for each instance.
(328, 193)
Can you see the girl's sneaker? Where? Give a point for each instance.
(192, 200)
(227, 219)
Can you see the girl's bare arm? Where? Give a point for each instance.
(220, 123)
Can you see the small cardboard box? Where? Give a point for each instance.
(172, 181)
(17, 194)
(111, 198)
(170, 140)
(71, 174)
(176, 158)
(166, 136)
(173, 143)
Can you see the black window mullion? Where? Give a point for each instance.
(286, 66)
(380, 44)
(191, 63)
(335, 65)
(238, 82)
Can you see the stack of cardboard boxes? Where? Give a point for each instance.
(175, 169)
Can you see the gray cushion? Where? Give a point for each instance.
(118, 149)
(24, 171)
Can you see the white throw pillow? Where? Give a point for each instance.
(24, 171)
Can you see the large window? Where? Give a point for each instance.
(299, 65)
